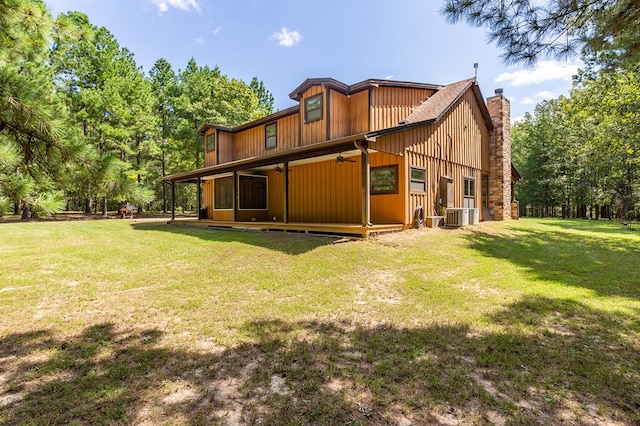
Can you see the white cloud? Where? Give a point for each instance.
(544, 71)
(388, 77)
(199, 40)
(287, 38)
(527, 101)
(164, 5)
(545, 94)
(217, 30)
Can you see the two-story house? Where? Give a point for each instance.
(358, 159)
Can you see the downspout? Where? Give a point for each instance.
(366, 186)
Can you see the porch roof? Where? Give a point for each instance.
(298, 153)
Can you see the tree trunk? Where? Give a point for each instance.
(26, 213)
(88, 205)
(104, 206)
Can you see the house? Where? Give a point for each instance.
(359, 159)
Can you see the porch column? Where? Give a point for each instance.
(235, 196)
(173, 200)
(286, 192)
(198, 194)
(366, 186)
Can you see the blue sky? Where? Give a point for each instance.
(283, 42)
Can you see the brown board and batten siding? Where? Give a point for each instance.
(209, 156)
(456, 145)
(391, 105)
(225, 147)
(360, 112)
(326, 192)
(315, 131)
(340, 115)
(389, 208)
(207, 197)
(251, 142)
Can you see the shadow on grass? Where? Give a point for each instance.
(286, 242)
(606, 264)
(547, 361)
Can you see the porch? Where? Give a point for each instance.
(347, 229)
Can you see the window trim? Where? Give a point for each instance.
(206, 142)
(223, 176)
(275, 135)
(372, 172)
(423, 181)
(469, 190)
(307, 110)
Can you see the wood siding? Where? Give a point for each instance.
(457, 145)
(207, 197)
(360, 112)
(209, 157)
(315, 131)
(389, 208)
(340, 115)
(391, 105)
(326, 192)
(225, 147)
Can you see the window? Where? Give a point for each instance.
(313, 108)
(418, 180)
(469, 193)
(384, 180)
(253, 192)
(270, 136)
(211, 142)
(223, 193)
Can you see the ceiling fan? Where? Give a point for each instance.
(340, 160)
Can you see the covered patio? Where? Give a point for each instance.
(351, 150)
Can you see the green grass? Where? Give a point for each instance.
(120, 322)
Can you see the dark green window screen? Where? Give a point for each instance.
(211, 142)
(313, 108)
(384, 180)
(271, 136)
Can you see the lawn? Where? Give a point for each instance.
(134, 322)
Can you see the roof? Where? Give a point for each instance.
(345, 89)
(430, 111)
(272, 117)
(434, 107)
(298, 153)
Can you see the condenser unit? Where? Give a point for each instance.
(457, 217)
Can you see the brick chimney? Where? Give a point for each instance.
(500, 157)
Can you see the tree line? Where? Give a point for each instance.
(580, 154)
(83, 127)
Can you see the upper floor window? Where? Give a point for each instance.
(210, 141)
(271, 135)
(313, 108)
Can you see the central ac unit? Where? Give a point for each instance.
(457, 217)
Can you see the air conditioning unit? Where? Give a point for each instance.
(474, 216)
(457, 217)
